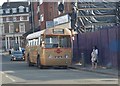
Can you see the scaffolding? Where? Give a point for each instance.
(92, 16)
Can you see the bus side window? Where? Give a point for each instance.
(32, 42)
(39, 41)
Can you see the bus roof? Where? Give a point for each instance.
(35, 35)
(65, 31)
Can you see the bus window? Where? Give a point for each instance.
(55, 41)
(65, 42)
(51, 42)
(39, 41)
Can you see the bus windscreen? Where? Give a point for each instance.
(57, 41)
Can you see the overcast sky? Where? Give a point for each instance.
(2, 1)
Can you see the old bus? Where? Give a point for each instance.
(49, 47)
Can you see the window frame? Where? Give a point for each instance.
(7, 11)
(21, 9)
(2, 29)
(14, 10)
(1, 11)
(11, 30)
(20, 27)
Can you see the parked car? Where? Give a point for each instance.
(17, 55)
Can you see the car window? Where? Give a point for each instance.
(17, 53)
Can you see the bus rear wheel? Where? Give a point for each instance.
(39, 62)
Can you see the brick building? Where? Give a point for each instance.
(42, 14)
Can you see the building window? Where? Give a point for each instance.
(14, 18)
(22, 27)
(27, 18)
(11, 28)
(21, 18)
(18, 18)
(7, 19)
(4, 19)
(7, 10)
(14, 10)
(1, 20)
(38, 9)
(42, 17)
(1, 11)
(2, 29)
(11, 19)
(21, 9)
(27, 9)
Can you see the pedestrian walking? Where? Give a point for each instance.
(94, 57)
(96, 51)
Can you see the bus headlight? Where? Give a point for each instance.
(14, 58)
(66, 56)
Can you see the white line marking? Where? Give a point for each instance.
(8, 71)
(10, 78)
(2, 72)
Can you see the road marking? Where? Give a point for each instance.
(10, 78)
(8, 71)
(74, 70)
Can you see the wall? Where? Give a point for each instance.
(106, 41)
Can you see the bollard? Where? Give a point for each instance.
(83, 59)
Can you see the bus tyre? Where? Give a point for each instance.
(28, 61)
(39, 62)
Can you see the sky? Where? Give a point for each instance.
(2, 1)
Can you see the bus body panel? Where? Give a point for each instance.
(53, 57)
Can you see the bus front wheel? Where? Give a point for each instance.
(28, 61)
(39, 62)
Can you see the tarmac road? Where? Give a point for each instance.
(18, 72)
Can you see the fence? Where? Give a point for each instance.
(106, 41)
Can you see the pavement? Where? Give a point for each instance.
(99, 69)
(4, 53)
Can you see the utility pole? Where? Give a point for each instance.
(32, 16)
(78, 49)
